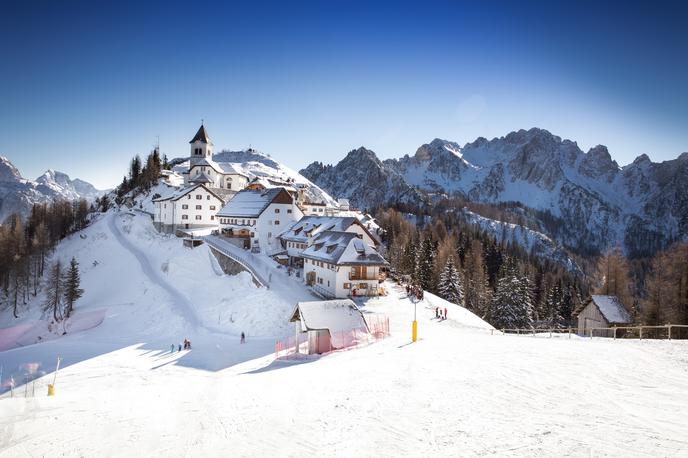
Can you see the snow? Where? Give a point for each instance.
(335, 315)
(249, 203)
(457, 391)
(612, 310)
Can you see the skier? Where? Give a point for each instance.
(445, 313)
(243, 337)
(180, 348)
(437, 312)
(172, 348)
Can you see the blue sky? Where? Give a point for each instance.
(86, 85)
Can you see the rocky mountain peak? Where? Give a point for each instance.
(8, 172)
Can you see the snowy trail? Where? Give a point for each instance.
(181, 303)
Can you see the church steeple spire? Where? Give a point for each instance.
(201, 136)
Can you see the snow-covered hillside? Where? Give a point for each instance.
(457, 391)
(641, 206)
(253, 163)
(17, 194)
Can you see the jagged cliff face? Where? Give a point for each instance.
(642, 206)
(17, 195)
(364, 179)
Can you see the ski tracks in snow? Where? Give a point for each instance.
(179, 301)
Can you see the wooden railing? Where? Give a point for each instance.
(613, 332)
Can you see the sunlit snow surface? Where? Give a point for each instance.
(458, 391)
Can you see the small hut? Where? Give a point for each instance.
(602, 312)
(330, 324)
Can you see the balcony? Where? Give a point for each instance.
(365, 276)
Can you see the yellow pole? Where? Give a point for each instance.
(414, 331)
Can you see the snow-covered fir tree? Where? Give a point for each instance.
(425, 265)
(449, 286)
(511, 304)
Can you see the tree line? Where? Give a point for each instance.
(499, 281)
(141, 177)
(26, 245)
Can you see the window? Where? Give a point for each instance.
(199, 197)
(207, 197)
(347, 285)
(198, 216)
(212, 217)
(199, 207)
(185, 207)
(212, 207)
(185, 216)
(276, 222)
(276, 210)
(269, 235)
(165, 205)
(289, 211)
(188, 196)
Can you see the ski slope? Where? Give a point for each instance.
(458, 391)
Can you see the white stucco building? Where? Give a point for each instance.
(187, 208)
(254, 218)
(302, 233)
(340, 264)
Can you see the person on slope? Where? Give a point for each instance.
(243, 337)
(445, 313)
(180, 348)
(172, 348)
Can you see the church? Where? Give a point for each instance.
(221, 177)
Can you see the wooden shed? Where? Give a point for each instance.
(602, 312)
(326, 322)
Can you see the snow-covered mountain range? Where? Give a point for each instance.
(17, 194)
(584, 200)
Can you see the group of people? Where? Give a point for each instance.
(186, 343)
(441, 314)
(414, 291)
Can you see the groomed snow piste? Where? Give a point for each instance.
(458, 391)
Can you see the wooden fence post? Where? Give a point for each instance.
(550, 333)
(641, 333)
(614, 332)
(669, 326)
(591, 333)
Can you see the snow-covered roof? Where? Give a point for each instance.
(204, 162)
(344, 249)
(612, 310)
(249, 203)
(335, 316)
(310, 226)
(179, 193)
(230, 169)
(202, 178)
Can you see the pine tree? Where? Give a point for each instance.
(511, 304)
(553, 308)
(72, 290)
(53, 291)
(425, 265)
(449, 285)
(409, 257)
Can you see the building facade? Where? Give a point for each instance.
(254, 218)
(341, 264)
(187, 208)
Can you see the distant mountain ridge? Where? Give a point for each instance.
(595, 203)
(18, 195)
